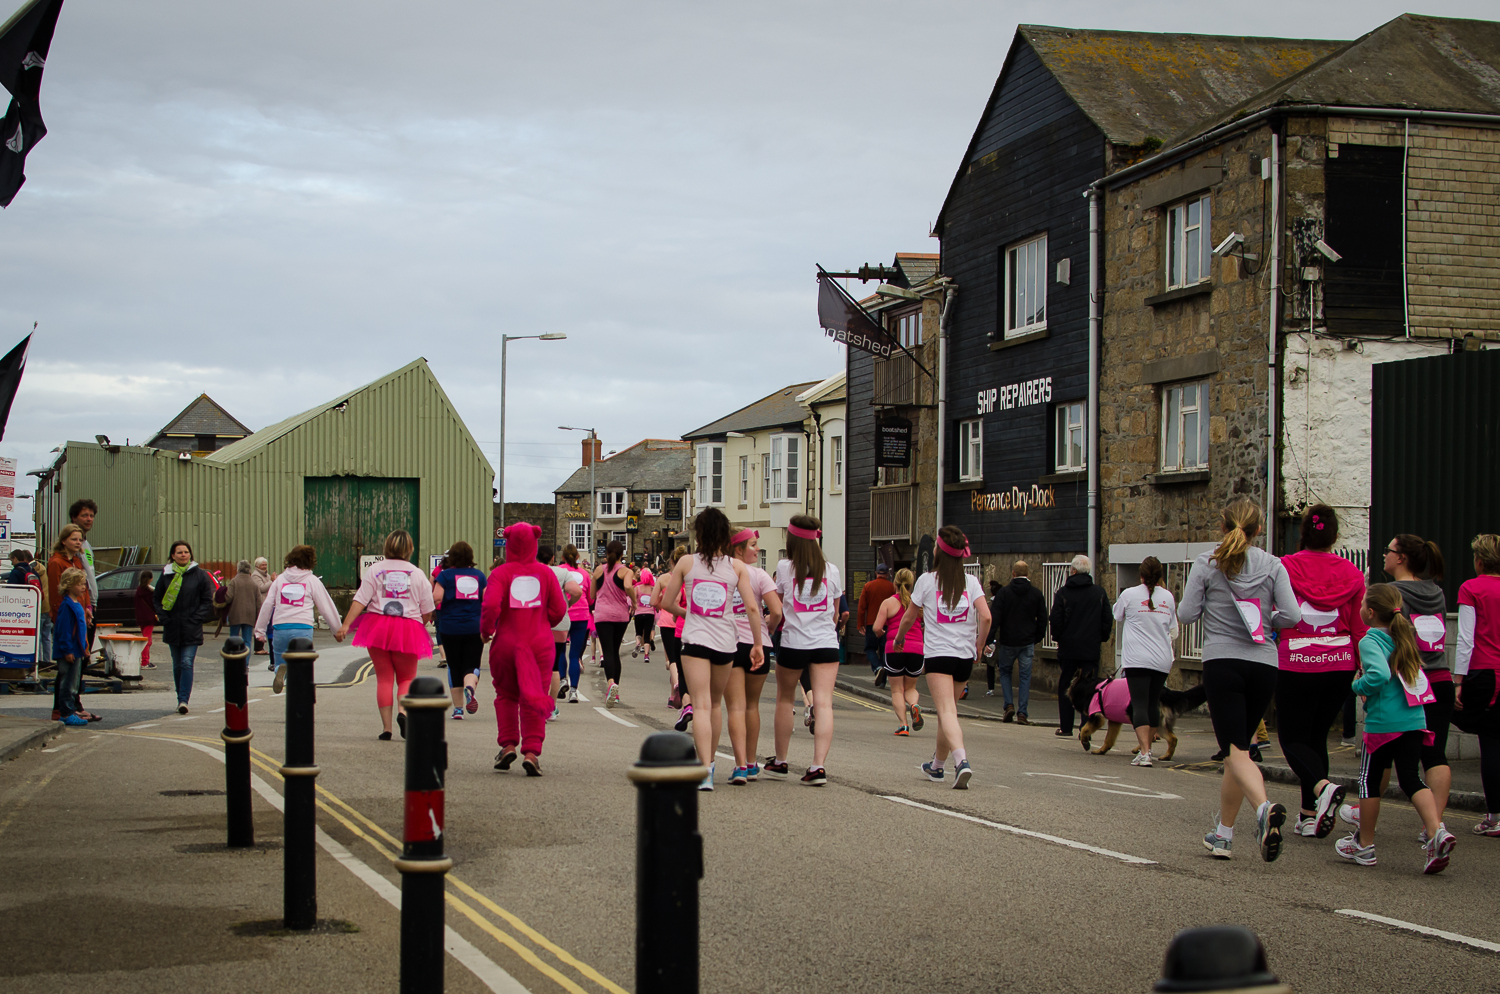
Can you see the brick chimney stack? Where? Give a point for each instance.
(592, 447)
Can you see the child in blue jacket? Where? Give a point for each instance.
(69, 645)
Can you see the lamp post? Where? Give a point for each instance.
(505, 340)
(593, 496)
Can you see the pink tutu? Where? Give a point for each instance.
(393, 633)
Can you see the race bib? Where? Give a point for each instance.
(466, 588)
(959, 614)
(1255, 623)
(525, 591)
(293, 595)
(737, 602)
(645, 600)
(1418, 692)
(1316, 621)
(709, 598)
(1432, 631)
(396, 590)
(809, 607)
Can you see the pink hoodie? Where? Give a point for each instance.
(1330, 592)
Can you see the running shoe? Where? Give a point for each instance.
(773, 769)
(503, 759)
(962, 775)
(935, 774)
(815, 778)
(963, 695)
(458, 714)
(532, 766)
(613, 697)
(1268, 831)
(880, 679)
(636, 652)
(471, 703)
(1305, 826)
(989, 693)
(1439, 851)
(1349, 814)
(1217, 844)
(739, 777)
(1349, 848)
(807, 716)
(562, 691)
(1328, 803)
(572, 695)
(903, 730)
(683, 718)
(1141, 759)
(708, 781)
(554, 715)
(916, 718)
(1490, 826)
(752, 772)
(673, 701)
(279, 681)
(74, 721)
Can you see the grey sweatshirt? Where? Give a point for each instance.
(1424, 597)
(1225, 635)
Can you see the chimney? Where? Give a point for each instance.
(597, 445)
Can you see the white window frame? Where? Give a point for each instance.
(710, 470)
(908, 328)
(653, 503)
(1176, 416)
(611, 503)
(744, 480)
(971, 450)
(1025, 282)
(836, 463)
(1189, 254)
(1071, 420)
(581, 537)
(765, 477)
(785, 473)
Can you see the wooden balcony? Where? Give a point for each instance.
(893, 514)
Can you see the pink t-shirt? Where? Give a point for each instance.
(396, 587)
(579, 609)
(645, 586)
(613, 604)
(1482, 594)
(710, 620)
(762, 584)
(913, 641)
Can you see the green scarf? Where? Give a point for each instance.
(175, 587)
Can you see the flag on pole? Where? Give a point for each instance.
(24, 42)
(11, 368)
(844, 320)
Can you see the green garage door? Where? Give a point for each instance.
(350, 516)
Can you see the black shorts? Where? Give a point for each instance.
(800, 659)
(704, 652)
(672, 642)
(904, 663)
(742, 659)
(1239, 691)
(954, 666)
(643, 625)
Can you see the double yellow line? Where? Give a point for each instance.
(360, 676)
(860, 701)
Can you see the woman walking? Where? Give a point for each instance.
(645, 614)
(955, 622)
(1240, 592)
(287, 609)
(1416, 569)
(614, 588)
(579, 615)
(398, 598)
(709, 633)
(184, 601)
(456, 598)
(1147, 616)
(243, 595)
(1317, 660)
(902, 666)
(1475, 669)
(746, 677)
(671, 636)
(809, 587)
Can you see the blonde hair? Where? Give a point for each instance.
(1487, 552)
(1241, 521)
(1384, 602)
(398, 545)
(66, 533)
(72, 577)
(904, 581)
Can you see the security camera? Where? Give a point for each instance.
(1327, 252)
(1228, 244)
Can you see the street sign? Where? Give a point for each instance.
(894, 445)
(4, 529)
(672, 508)
(7, 485)
(632, 523)
(365, 562)
(20, 614)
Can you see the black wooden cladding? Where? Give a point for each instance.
(1435, 434)
(859, 471)
(1036, 154)
(1363, 291)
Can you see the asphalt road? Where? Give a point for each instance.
(1056, 871)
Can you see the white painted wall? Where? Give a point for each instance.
(833, 514)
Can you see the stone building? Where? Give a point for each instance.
(640, 496)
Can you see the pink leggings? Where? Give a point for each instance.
(392, 669)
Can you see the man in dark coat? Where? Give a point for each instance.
(1081, 622)
(1020, 613)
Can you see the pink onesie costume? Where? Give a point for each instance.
(521, 604)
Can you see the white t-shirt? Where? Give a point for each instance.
(947, 632)
(811, 619)
(563, 575)
(1146, 632)
(762, 584)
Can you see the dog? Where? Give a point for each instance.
(1106, 700)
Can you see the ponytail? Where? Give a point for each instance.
(904, 581)
(1384, 602)
(1151, 576)
(1241, 521)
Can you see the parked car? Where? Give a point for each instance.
(117, 594)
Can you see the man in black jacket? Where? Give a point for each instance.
(1081, 621)
(1020, 613)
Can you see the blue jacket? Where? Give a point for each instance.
(71, 633)
(1386, 709)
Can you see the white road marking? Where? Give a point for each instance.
(133, 728)
(65, 745)
(627, 724)
(191, 717)
(256, 700)
(724, 755)
(1122, 857)
(216, 710)
(582, 698)
(1492, 947)
(1104, 785)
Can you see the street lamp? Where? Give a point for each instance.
(593, 496)
(551, 336)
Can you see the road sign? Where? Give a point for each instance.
(20, 613)
(4, 529)
(7, 485)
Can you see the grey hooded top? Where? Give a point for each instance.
(1226, 634)
(1424, 597)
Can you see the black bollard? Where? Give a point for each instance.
(1224, 958)
(237, 736)
(422, 863)
(668, 864)
(299, 864)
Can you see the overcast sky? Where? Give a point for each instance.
(275, 202)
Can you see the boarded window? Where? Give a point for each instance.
(1363, 292)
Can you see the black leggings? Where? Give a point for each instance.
(1439, 717)
(1481, 716)
(1238, 693)
(1306, 706)
(1145, 696)
(1069, 668)
(610, 634)
(1404, 753)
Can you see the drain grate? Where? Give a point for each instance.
(191, 793)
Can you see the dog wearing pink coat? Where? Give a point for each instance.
(522, 602)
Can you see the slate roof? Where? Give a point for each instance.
(771, 411)
(664, 464)
(204, 417)
(917, 266)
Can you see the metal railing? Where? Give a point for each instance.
(895, 380)
(891, 514)
(1054, 575)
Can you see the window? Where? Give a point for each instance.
(786, 468)
(1189, 247)
(1026, 287)
(710, 474)
(1184, 426)
(1072, 453)
(611, 504)
(909, 328)
(893, 476)
(836, 463)
(744, 480)
(206, 443)
(762, 558)
(971, 450)
(653, 503)
(581, 535)
(765, 477)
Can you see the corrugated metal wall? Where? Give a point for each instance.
(1435, 437)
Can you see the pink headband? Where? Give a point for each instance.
(807, 533)
(963, 553)
(744, 536)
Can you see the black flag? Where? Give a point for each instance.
(846, 321)
(11, 368)
(24, 41)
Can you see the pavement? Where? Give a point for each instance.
(1056, 871)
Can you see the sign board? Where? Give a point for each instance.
(4, 529)
(432, 563)
(7, 485)
(365, 562)
(893, 442)
(601, 552)
(20, 615)
(672, 508)
(632, 522)
(500, 542)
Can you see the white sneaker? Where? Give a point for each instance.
(1349, 814)
(613, 697)
(572, 695)
(1141, 759)
(708, 781)
(553, 715)
(1306, 826)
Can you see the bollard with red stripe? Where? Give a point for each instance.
(422, 863)
(237, 736)
(299, 863)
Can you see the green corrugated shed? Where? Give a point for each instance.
(252, 498)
